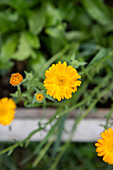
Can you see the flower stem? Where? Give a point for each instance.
(19, 90)
(56, 56)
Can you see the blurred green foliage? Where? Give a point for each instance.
(80, 156)
(36, 30)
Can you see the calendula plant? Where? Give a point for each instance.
(65, 44)
(61, 81)
(56, 89)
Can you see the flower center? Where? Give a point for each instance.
(39, 97)
(61, 80)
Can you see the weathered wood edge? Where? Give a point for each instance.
(26, 120)
(31, 113)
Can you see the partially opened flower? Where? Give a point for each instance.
(61, 80)
(105, 146)
(39, 97)
(16, 79)
(7, 110)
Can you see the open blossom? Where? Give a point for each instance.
(16, 79)
(39, 97)
(105, 146)
(61, 80)
(7, 110)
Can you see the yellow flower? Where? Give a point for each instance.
(16, 79)
(61, 81)
(105, 146)
(39, 97)
(7, 110)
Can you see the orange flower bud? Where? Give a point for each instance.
(16, 79)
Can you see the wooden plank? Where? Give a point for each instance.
(26, 120)
(24, 113)
(87, 131)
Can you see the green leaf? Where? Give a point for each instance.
(10, 21)
(76, 35)
(38, 62)
(28, 75)
(33, 40)
(50, 98)
(10, 152)
(52, 32)
(98, 11)
(7, 21)
(53, 15)
(5, 66)
(41, 144)
(98, 34)
(36, 20)
(14, 94)
(24, 49)
(9, 47)
(67, 9)
(19, 5)
(56, 32)
(42, 153)
(77, 63)
(100, 55)
(27, 143)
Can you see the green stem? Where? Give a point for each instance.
(42, 153)
(30, 135)
(19, 90)
(56, 56)
(21, 142)
(88, 68)
(41, 144)
(94, 103)
(65, 112)
(76, 123)
(64, 147)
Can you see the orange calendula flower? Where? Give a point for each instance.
(7, 111)
(39, 97)
(61, 81)
(16, 79)
(105, 146)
